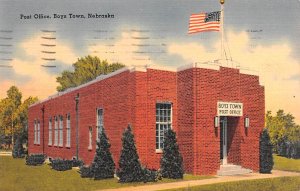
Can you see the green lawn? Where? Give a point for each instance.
(282, 163)
(15, 176)
(274, 184)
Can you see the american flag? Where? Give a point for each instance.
(205, 22)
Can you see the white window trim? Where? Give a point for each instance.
(90, 147)
(61, 131)
(35, 131)
(38, 132)
(55, 131)
(50, 132)
(68, 134)
(160, 150)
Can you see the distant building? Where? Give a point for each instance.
(216, 112)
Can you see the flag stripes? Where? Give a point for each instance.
(204, 22)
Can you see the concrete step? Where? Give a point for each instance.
(230, 169)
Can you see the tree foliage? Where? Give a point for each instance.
(171, 163)
(14, 114)
(265, 153)
(284, 133)
(103, 165)
(130, 169)
(85, 70)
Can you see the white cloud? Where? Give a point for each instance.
(41, 83)
(122, 51)
(274, 63)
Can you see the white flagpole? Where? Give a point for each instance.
(222, 29)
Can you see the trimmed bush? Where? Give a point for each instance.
(86, 172)
(171, 163)
(18, 150)
(130, 169)
(77, 163)
(150, 175)
(265, 153)
(61, 164)
(103, 165)
(35, 159)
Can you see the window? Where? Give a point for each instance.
(163, 122)
(50, 132)
(68, 143)
(61, 126)
(38, 133)
(90, 138)
(35, 132)
(99, 122)
(56, 131)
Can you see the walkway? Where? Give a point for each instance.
(218, 179)
(5, 153)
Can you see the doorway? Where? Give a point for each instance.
(223, 140)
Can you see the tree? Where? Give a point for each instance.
(103, 165)
(18, 150)
(284, 132)
(265, 153)
(130, 169)
(14, 114)
(85, 70)
(171, 162)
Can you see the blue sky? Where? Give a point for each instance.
(261, 35)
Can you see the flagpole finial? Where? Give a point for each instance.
(222, 1)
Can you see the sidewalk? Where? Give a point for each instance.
(5, 153)
(218, 179)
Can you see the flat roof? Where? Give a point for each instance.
(143, 68)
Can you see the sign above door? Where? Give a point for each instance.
(229, 109)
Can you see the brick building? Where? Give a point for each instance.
(216, 112)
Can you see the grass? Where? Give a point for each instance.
(15, 175)
(282, 163)
(273, 184)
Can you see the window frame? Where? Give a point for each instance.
(68, 129)
(55, 131)
(99, 126)
(90, 147)
(161, 120)
(50, 136)
(35, 131)
(38, 132)
(61, 131)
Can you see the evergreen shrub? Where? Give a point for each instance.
(18, 150)
(61, 164)
(265, 153)
(35, 159)
(171, 163)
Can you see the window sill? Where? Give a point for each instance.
(49, 145)
(158, 151)
(90, 148)
(60, 146)
(68, 146)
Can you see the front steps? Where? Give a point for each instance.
(231, 169)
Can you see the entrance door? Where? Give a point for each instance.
(223, 140)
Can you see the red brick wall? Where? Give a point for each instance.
(185, 133)
(200, 90)
(131, 97)
(161, 87)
